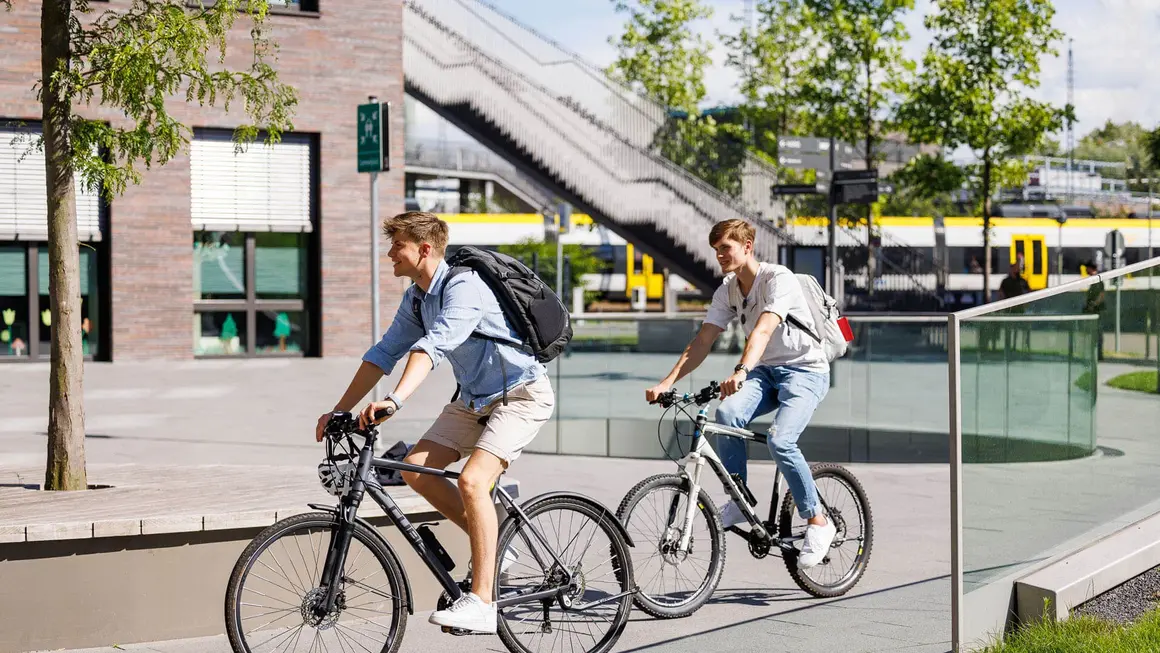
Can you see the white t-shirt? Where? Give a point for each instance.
(775, 290)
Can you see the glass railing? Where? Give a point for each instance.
(1058, 432)
(887, 401)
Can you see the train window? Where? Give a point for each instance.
(1036, 260)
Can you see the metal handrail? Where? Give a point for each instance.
(592, 71)
(695, 194)
(1078, 284)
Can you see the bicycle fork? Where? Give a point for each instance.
(694, 497)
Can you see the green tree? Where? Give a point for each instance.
(972, 90)
(923, 186)
(131, 60)
(858, 69)
(661, 54)
(770, 58)
(1119, 142)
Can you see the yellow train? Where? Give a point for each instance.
(910, 250)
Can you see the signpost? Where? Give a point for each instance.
(833, 164)
(374, 157)
(855, 186)
(1114, 249)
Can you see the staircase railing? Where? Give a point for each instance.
(588, 133)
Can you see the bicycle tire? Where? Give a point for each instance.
(862, 558)
(681, 484)
(620, 559)
(306, 522)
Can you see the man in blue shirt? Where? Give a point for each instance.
(481, 424)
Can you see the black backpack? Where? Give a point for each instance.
(530, 307)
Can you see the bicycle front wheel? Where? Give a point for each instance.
(589, 614)
(673, 582)
(274, 588)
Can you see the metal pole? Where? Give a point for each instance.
(376, 330)
(832, 247)
(1119, 283)
(954, 360)
(559, 262)
(1059, 256)
(1151, 273)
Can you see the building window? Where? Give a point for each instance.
(255, 270)
(251, 294)
(25, 305)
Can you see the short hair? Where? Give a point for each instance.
(735, 229)
(419, 227)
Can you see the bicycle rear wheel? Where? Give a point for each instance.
(589, 544)
(274, 587)
(849, 510)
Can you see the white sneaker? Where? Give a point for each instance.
(731, 514)
(817, 544)
(468, 613)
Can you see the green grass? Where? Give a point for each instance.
(1144, 381)
(1084, 635)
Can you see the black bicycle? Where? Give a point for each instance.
(680, 560)
(329, 581)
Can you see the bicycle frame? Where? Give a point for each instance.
(701, 453)
(348, 509)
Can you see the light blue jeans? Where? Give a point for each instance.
(796, 393)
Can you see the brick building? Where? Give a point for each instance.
(266, 253)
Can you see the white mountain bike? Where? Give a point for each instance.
(680, 544)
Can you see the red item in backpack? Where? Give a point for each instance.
(847, 332)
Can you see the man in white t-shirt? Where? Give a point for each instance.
(782, 367)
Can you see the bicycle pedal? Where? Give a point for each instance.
(459, 632)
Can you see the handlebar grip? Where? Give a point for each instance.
(383, 413)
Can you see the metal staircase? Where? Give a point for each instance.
(567, 126)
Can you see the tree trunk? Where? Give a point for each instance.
(986, 225)
(66, 425)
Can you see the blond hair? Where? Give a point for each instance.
(738, 230)
(419, 227)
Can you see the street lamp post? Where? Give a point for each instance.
(1059, 250)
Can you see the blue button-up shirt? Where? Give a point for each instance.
(468, 306)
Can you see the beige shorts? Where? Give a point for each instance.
(509, 428)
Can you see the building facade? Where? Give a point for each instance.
(263, 253)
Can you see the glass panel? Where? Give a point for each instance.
(280, 332)
(887, 401)
(1055, 455)
(219, 333)
(219, 269)
(13, 301)
(89, 302)
(280, 265)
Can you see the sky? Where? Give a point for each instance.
(1116, 45)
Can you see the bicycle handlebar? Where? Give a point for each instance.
(343, 423)
(701, 397)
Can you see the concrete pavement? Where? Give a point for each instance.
(262, 412)
(902, 602)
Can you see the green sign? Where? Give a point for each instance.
(372, 142)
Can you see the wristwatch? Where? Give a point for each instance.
(398, 402)
(741, 368)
